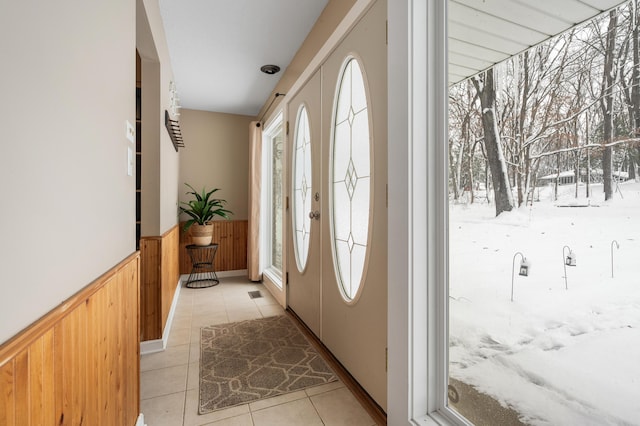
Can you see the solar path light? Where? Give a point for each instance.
(618, 247)
(523, 271)
(568, 260)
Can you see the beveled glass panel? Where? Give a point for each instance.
(360, 211)
(358, 95)
(343, 262)
(358, 258)
(342, 153)
(302, 189)
(342, 222)
(350, 182)
(344, 102)
(360, 144)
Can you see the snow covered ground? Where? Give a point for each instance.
(557, 356)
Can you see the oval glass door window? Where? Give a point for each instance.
(302, 188)
(350, 180)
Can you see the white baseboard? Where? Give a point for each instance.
(151, 346)
(140, 421)
(159, 345)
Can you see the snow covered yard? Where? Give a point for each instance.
(557, 356)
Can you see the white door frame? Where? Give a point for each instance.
(417, 81)
(417, 114)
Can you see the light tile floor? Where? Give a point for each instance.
(169, 379)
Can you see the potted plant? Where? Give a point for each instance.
(201, 211)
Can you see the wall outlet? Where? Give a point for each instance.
(131, 132)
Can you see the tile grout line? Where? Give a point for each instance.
(316, 410)
(161, 396)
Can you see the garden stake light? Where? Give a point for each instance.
(569, 260)
(524, 269)
(618, 247)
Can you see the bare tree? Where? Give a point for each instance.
(606, 103)
(630, 80)
(560, 106)
(484, 85)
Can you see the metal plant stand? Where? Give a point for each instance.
(203, 273)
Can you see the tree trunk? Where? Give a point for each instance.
(555, 188)
(522, 114)
(635, 74)
(635, 87)
(495, 156)
(577, 172)
(607, 105)
(470, 171)
(486, 180)
(454, 177)
(459, 178)
(519, 184)
(588, 183)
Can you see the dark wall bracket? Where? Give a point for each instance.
(173, 127)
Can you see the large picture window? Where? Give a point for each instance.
(543, 295)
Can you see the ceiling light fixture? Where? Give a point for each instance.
(269, 69)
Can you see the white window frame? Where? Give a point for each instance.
(266, 238)
(418, 226)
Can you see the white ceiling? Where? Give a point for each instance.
(218, 46)
(485, 32)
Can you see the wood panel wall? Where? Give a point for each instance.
(231, 237)
(170, 270)
(150, 294)
(80, 363)
(159, 278)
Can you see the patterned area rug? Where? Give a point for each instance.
(245, 361)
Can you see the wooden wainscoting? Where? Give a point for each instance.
(80, 363)
(169, 271)
(150, 290)
(231, 237)
(159, 279)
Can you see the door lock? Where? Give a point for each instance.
(314, 215)
(317, 196)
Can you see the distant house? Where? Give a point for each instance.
(564, 178)
(568, 177)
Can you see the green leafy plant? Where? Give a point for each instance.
(203, 208)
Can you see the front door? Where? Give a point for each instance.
(354, 234)
(338, 283)
(304, 186)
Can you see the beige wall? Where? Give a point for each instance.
(68, 205)
(216, 156)
(160, 161)
(333, 13)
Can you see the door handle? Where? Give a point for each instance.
(314, 215)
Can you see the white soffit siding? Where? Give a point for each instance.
(485, 32)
